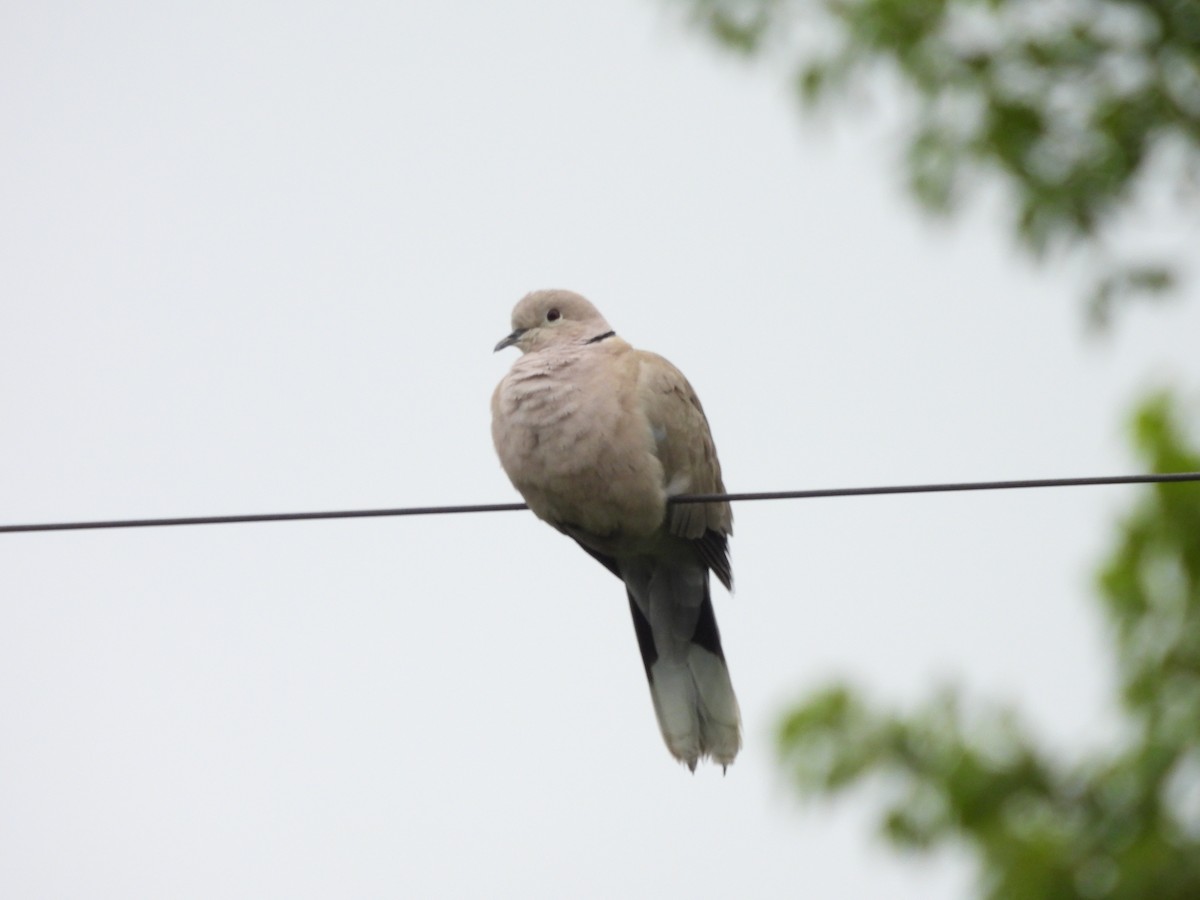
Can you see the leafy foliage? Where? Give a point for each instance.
(1072, 104)
(1069, 102)
(1122, 823)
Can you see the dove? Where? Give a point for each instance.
(597, 436)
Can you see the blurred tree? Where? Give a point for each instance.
(1078, 107)
(1070, 102)
(1122, 823)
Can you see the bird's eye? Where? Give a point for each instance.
(553, 315)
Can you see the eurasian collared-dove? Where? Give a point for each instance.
(596, 436)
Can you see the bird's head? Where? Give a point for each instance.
(554, 318)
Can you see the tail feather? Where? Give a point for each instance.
(720, 719)
(681, 650)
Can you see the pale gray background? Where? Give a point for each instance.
(254, 257)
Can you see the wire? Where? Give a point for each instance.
(689, 498)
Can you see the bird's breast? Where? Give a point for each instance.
(575, 447)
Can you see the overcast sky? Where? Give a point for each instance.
(254, 258)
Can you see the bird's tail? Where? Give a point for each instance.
(681, 650)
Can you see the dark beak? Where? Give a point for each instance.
(511, 339)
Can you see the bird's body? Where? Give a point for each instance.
(597, 435)
(564, 438)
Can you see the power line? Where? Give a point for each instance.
(689, 498)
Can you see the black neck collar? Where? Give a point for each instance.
(600, 337)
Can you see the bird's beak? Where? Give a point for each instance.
(511, 339)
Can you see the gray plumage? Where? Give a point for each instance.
(596, 435)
